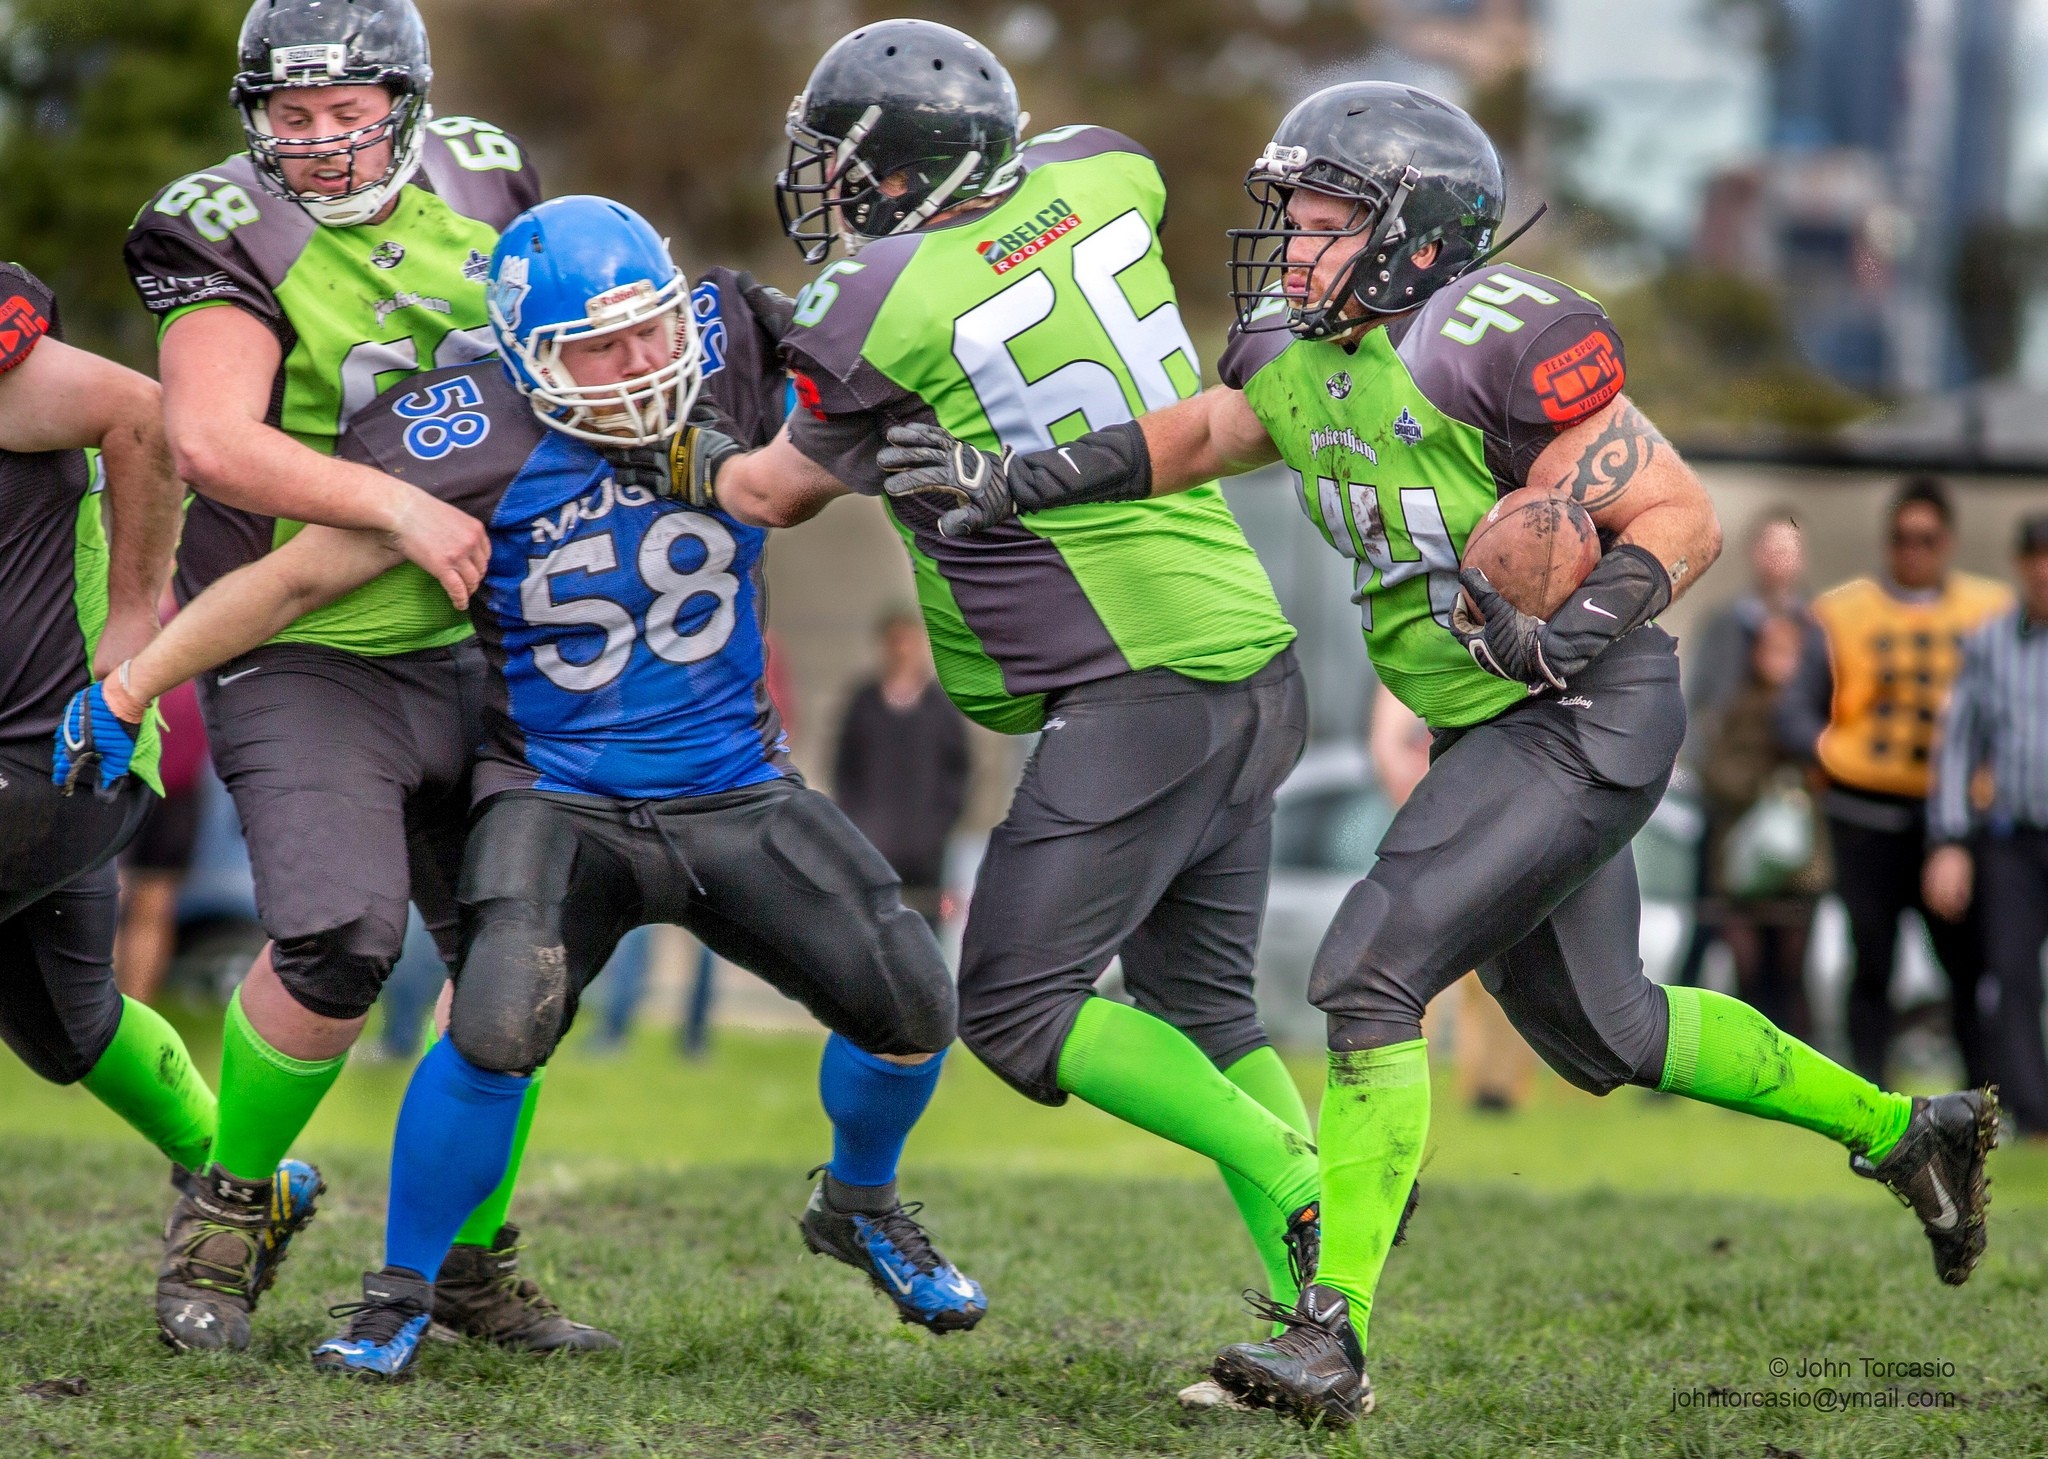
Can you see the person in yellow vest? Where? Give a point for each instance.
(1867, 713)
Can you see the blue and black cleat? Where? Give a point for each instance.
(898, 1257)
(223, 1244)
(384, 1329)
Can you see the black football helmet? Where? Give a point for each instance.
(292, 43)
(900, 96)
(1416, 170)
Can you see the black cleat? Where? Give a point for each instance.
(481, 1294)
(223, 1243)
(1937, 1170)
(1315, 1370)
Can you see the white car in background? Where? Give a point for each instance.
(1327, 823)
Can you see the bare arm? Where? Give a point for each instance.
(1206, 436)
(61, 398)
(776, 486)
(251, 606)
(217, 366)
(1632, 483)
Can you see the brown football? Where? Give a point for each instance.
(1535, 548)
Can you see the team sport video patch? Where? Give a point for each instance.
(1055, 220)
(1572, 385)
(21, 325)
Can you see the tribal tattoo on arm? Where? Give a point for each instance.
(1612, 459)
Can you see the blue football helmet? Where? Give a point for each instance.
(575, 268)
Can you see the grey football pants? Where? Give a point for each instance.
(1512, 857)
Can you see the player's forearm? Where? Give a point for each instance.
(775, 486)
(245, 610)
(1209, 435)
(246, 464)
(1683, 533)
(143, 503)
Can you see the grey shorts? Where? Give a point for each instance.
(351, 778)
(772, 877)
(1142, 828)
(1512, 857)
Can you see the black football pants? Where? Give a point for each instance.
(1512, 857)
(2012, 902)
(772, 877)
(59, 906)
(1142, 828)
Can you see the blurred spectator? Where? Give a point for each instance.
(1764, 867)
(1866, 712)
(1717, 670)
(1998, 720)
(1495, 1067)
(154, 865)
(902, 769)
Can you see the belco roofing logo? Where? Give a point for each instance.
(1054, 220)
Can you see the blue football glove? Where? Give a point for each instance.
(92, 744)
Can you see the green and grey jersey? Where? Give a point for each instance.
(1027, 325)
(53, 556)
(1402, 440)
(355, 311)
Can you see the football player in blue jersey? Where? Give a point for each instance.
(634, 769)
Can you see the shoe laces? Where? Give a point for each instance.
(1304, 1335)
(214, 1276)
(373, 1322)
(910, 1240)
(525, 1292)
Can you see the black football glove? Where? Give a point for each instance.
(982, 489)
(1626, 589)
(687, 467)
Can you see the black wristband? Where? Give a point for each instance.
(1109, 465)
(1632, 584)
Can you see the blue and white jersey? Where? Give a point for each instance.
(623, 630)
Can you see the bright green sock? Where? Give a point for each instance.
(1261, 1075)
(266, 1097)
(1724, 1052)
(487, 1220)
(146, 1077)
(1374, 1122)
(1145, 1071)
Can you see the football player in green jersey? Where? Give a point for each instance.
(1406, 383)
(343, 252)
(83, 563)
(1015, 293)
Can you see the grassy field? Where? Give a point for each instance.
(1580, 1276)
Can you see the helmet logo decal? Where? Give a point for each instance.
(1053, 221)
(509, 290)
(1407, 429)
(308, 65)
(388, 254)
(1339, 385)
(620, 303)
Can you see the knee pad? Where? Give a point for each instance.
(910, 965)
(513, 998)
(338, 972)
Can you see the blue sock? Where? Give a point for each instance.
(453, 1142)
(872, 1104)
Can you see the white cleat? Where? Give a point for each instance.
(1207, 1395)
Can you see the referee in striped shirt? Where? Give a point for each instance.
(1998, 718)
